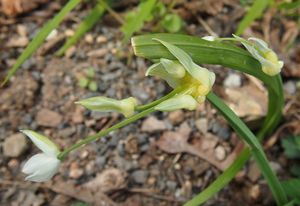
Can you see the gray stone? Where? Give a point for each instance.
(48, 118)
(202, 125)
(121, 149)
(152, 124)
(290, 87)
(124, 164)
(171, 185)
(233, 80)
(15, 145)
(140, 176)
(224, 132)
(100, 161)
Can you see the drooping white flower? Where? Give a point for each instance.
(266, 56)
(43, 166)
(105, 104)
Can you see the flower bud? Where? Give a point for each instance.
(260, 51)
(104, 104)
(178, 102)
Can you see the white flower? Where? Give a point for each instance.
(266, 56)
(43, 166)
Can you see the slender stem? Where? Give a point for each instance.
(145, 110)
(156, 102)
(244, 132)
(100, 134)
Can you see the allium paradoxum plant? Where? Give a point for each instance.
(191, 85)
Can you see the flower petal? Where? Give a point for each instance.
(43, 170)
(34, 163)
(178, 102)
(199, 73)
(179, 54)
(174, 68)
(262, 45)
(159, 70)
(42, 142)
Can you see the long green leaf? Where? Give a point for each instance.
(40, 37)
(243, 131)
(214, 53)
(88, 23)
(255, 12)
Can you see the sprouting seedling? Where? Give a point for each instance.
(87, 80)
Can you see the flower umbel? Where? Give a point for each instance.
(43, 166)
(195, 80)
(266, 56)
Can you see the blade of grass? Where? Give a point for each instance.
(243, 131)
(88, 23)
(214, 53)
(135, 24)
(40, 37)
(254, 12)
(271, 121)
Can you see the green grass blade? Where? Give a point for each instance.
(40, 37)
(255, 12)
(136, 22)
(236, 58)
(88, 23)
(243, 131)
(271, 121)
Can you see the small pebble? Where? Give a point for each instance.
(140, 176)
(233, 80)
(290, 87)
(220, 153)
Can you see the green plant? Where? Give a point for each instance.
(87, 80)
(179, 56)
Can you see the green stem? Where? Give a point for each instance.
(276, 102)
(156, 102)
(145, 110)
(100, 134)
(243, 131)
